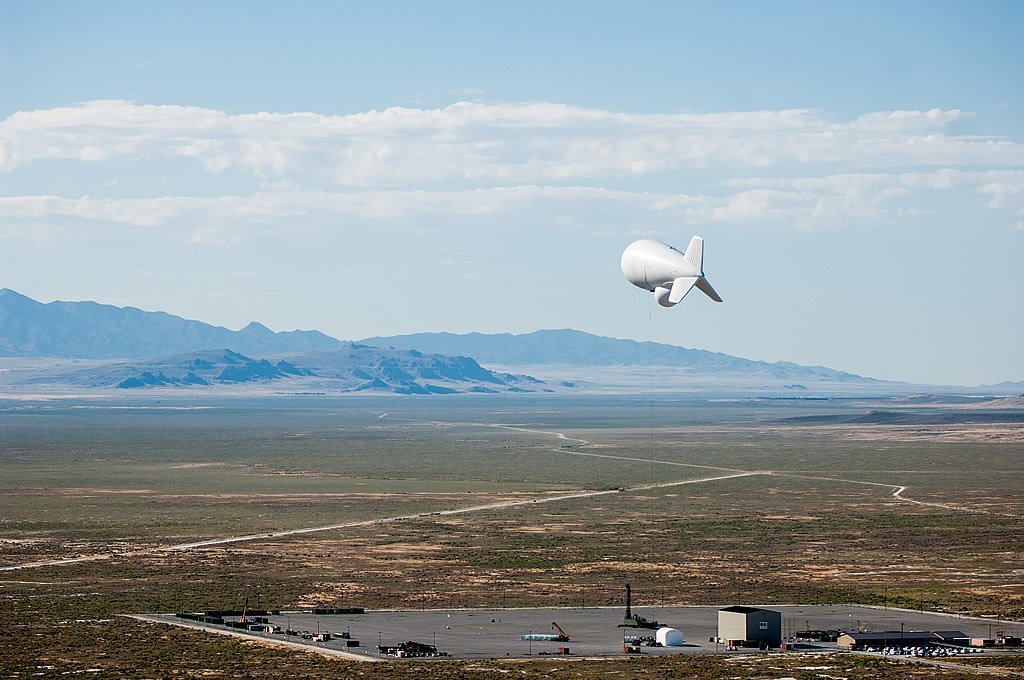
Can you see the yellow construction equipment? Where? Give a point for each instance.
(562, 635)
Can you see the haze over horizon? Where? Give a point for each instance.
(857, 171)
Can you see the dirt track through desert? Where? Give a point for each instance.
(896, 492)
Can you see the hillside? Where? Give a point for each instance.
(151, 349)
(89, 330)
(349, 368)
(576, 348)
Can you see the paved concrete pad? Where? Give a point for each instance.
(472, 634)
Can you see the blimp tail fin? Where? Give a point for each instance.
(695, 258)
(680, 287)
(706, 288)
(695, 254)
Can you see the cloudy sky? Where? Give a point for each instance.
(856, 169)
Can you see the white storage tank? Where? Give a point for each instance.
(669, 637)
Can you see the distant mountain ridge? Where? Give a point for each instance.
(571, 347)
(76, 331)
(90, 330)
(348, 368)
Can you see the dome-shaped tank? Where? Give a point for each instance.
(669, 637)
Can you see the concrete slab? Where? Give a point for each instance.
(495, 633)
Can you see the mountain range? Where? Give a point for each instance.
(130, 348)
(349, 368)
(89, 330)
(576, 348)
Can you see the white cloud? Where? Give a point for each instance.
(907, 120)
(545, 163)
(503, 143)
(289, 204)
(868, 195)
(282, 206)
(1003, 188)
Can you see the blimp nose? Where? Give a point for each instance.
(633, 266)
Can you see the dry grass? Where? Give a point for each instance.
(823, 527)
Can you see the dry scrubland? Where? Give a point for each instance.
(817, 522)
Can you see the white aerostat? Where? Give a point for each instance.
(668, 273)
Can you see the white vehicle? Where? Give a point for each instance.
(668, 273)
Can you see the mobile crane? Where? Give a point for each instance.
(562, 635)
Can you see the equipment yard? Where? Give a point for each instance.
(593, 632)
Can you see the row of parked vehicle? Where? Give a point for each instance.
(923, 651)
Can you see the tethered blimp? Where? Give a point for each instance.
(668, 273)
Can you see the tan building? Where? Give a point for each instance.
(750, 627)
(900, 638)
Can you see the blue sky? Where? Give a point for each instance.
(857, 169)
